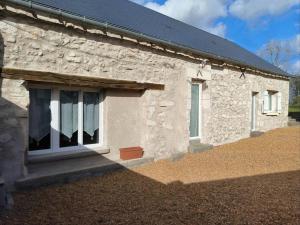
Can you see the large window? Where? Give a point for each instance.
(64, 119)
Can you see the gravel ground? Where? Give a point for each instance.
(252, 181)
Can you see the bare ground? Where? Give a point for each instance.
(252, 181)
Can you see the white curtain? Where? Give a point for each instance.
(90, 112)
(39, 113)
(68, 113)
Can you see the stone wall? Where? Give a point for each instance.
(158, 120)
(13, 125)
(227, 101)
(231, 100)
(43, 46)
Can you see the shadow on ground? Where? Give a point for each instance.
(126, 197)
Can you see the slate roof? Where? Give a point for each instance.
(133, 17)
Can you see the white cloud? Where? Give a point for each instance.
(218, 29)
(253, 9)
(201, 14)
(204, 14)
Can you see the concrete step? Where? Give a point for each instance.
(256, 133)
(43, 158)
(65, 171)
(196, 146)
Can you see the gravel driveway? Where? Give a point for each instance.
(252, 181)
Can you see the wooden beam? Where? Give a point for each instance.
(198, 79)
(76, 80)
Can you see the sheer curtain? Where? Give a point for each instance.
(39, 113)
(90, 112)
(68, 113)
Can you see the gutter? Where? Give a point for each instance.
(127, 32)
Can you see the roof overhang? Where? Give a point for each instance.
(33, 6)
(76, 80)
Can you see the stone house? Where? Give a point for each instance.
(82, 77)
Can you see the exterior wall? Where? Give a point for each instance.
(13, 125)
(231, 102)
(156, 120)
(123, 119)
(163, 129)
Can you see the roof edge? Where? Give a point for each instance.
(132, 34)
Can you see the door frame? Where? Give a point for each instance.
(253, 111)
(200, 84)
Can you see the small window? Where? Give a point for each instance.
(271, 102)
(64, 119)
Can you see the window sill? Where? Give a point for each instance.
(53, 156)
(272, 114)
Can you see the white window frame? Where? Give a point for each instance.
(55, 122)
(200, 84)
(273, 102)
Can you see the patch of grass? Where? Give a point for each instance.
(294, 108)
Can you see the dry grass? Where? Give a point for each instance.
(253, 181)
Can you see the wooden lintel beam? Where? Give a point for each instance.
(76, 80)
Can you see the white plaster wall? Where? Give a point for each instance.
(123, 119)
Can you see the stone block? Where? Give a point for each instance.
(256, 133)
(4, 138)
(11, 122)
(199, 147)
(177, 156)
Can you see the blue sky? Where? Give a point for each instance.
(252, 35)
(253, 24)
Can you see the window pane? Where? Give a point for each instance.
(194, 116)
(270, 102)
(90, 117)
(68, 118)
(39, 119)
